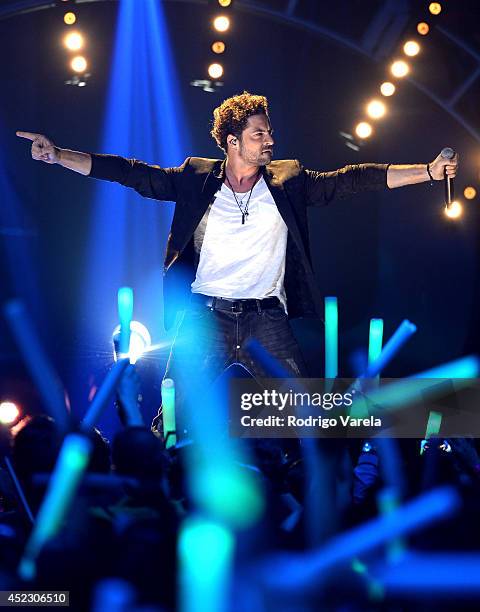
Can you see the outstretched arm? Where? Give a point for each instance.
(323, 187)
(44, 150)
(398, 176)
(149, 181)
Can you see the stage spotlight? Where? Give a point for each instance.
(218, 46)
(140, 341)
(221, 23)
(423, 28)
(454, 211)
(9, 413)
(79, 64)
(73, 41)
(69, 18)
(363, 130)
(215, 71)
(376, 109)
(435, 8)
(387, 89)
(411, 48)
(470, 193)
(224, 3)
(399, 68)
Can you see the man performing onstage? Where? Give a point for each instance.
(238, 245)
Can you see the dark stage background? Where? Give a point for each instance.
(392, 254)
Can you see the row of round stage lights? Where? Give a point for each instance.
(399, 69)
(376, 109)
(74, 42)
(221, 24)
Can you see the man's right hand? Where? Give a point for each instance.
(43, 149)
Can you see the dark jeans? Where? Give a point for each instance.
(209, 341)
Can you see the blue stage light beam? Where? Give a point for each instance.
(17, 239)
(144, 119)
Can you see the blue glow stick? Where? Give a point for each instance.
(206, 551)
(439, 573)
(125, 313)
(297, 572)
(19, 489)
(168, 412)
(69, 468)
(331, 337)
(465, 367)
(37, 362)
(103, 395)
(401, 335)
(434, 382)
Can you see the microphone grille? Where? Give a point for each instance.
(447, 153)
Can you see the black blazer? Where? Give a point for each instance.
(193, 185)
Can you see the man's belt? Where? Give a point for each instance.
(220, 303)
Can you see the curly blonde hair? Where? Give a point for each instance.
(232, 115)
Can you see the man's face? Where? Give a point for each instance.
(256, 141)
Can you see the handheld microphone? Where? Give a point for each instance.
(448, 153)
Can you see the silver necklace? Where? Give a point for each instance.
(243, 210)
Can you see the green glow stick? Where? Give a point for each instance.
(388, 502)
(433, 428)
(205, 552)
(375, 339)
(168, 412)
(227, 492)
(433, 424)
(331, 337)
(125, 313)
(69, 468)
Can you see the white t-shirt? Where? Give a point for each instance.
(243, 261)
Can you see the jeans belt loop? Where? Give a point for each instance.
(214, 303)
(259, 306)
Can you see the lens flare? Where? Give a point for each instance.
(9, 413)
(140, 340)
(454, 211)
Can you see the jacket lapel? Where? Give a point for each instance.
(277, 189)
